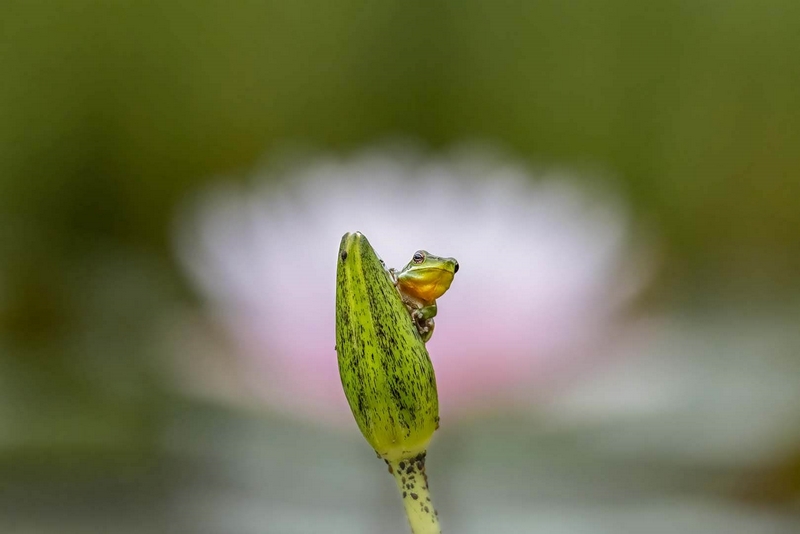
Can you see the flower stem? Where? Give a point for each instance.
(413, 485)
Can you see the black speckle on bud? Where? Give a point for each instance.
(344, 255)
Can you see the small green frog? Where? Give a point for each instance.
(420, 283)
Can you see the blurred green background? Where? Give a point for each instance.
(112, 111)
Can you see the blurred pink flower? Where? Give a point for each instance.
(546, 269)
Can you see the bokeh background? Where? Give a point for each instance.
(116, 116)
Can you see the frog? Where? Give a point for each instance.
(423, 280)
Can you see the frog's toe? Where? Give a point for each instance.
(428, 330)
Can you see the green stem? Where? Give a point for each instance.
(413, 485)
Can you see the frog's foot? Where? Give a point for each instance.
(428, 332)
(425, 329)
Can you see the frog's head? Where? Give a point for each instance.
(426, 276)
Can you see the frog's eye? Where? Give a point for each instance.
(419, 257)
(455, 269)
